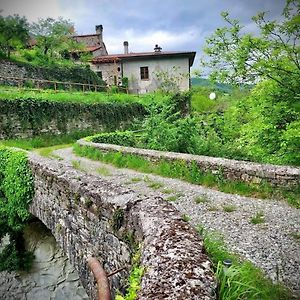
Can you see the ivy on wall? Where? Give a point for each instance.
(16, 192)
(30, 117)
(79, 74)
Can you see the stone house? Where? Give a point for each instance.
(144, 70)
(93, 43)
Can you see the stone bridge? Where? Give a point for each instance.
(90, 216)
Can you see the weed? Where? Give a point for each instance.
(103, 171)
(212, 208)
(242, 280)
(88, 203)
(258, 218)
(167, 191)
(47, 151)
(77, 165)
(295, 236)
(201, 199)
(136, 179)
(172, 198)
(229, 208)
(135, 277)
(117, 219)
(186, 218)
(155, 185)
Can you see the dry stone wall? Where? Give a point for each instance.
(285, 176)
(27, 118)
(91, 216)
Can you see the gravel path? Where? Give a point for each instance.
(273, 245)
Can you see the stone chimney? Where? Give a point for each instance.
(99, 30)
(125, 47)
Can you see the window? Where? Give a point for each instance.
(144, 73)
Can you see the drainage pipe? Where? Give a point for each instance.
(101, 278)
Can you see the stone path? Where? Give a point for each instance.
(273, 245)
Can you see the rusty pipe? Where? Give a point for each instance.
(101, 278)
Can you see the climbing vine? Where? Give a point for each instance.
(34, 115)
(16, 192)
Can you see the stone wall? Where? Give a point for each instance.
(26, 71)
(28, 118)
(284, 176)
(91, 216)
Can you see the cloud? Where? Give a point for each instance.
(32, 9)
(173, 24)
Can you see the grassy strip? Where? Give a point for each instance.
(78, 97)
(242, 280)
(190, 173)
(44, 141)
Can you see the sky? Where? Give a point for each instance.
(175, 25)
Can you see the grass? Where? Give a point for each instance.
(11, 93)
(229, 208)
(45, 141)
(190, 173)
(47, 151)
(242, 280)
(167, 191)
(155, 185)
(201, 199)
(259, 218)
(172, 198)
(212, 208)
(295, 236)
(77, 165)
(186, 218)
(103, 171)
(136, 179)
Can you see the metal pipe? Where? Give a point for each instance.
(101, 278)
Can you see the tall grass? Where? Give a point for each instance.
(242, 280)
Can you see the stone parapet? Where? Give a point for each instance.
(91, 216)
(282, 176)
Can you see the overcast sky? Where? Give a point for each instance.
(176, 25)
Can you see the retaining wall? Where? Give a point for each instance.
(27, 118)
(90, 216)
(285, 176)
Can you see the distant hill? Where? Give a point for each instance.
(206, 83)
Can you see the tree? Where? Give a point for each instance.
(54, 36)
(14, 33)
(273, 54)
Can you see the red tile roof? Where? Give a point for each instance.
(143, 55)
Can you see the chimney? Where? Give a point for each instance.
(157, 48)
(125, 47)
(99, 30)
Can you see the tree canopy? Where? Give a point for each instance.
(14, 33)
(273, 53)
(53, 36)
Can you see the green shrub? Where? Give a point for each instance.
(16, 192)
(124, 138)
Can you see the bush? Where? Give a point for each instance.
(16, 192)
(125, 138)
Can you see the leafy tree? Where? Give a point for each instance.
(54, 36)
(265, 126)
(274, 53)
(14, 33)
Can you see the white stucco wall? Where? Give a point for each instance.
(131, 69)
(109, 70)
